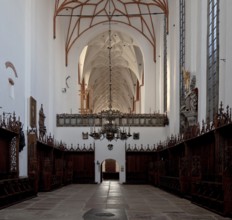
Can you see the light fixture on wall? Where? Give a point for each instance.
(110, 130)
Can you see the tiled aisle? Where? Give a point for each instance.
(138, 201)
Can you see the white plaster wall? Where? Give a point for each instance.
(201, 58)
(192, 28)
(196, 49)
(12, 44)
(222, 52)
(117, 153)
(148, 136)
(47, 69)
(27, 42)
(42, 57)
(40, 62)
(63, 101)
(68, 101)
(188, 34)
(159, 79)
(225, 63)
(173, 69)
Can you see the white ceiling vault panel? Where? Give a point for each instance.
(126, 57)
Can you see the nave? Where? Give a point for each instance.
(108, 200)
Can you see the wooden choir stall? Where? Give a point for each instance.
(198, 164)
(12, 187)
(52, 165)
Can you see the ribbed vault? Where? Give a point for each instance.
(82, 15)
(127, 67)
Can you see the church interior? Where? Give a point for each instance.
(114, 98)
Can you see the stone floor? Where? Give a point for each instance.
(109, 200)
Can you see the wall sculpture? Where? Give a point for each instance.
(189, 109)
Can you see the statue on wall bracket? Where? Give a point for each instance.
(42, 127)
(189, 108)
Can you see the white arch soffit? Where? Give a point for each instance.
(82, 60)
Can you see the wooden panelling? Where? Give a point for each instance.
(83, 167)
(198, 168)
(138, 165)
(50, 166)
(4, 158)
(12, 188)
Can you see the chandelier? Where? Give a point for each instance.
(110, 130)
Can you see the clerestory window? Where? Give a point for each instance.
(213, 59)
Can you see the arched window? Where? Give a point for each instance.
(182, 58)
(182, 49)
(213, 58)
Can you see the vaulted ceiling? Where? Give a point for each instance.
(126, 57)
(126, 68)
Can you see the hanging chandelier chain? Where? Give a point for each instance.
(110, 59)
(110, 130)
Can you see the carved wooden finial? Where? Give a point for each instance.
(230, 115)
(221, 109)
(203, 127)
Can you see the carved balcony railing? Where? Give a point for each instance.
(134, 120)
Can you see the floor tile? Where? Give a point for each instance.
(137, 202)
